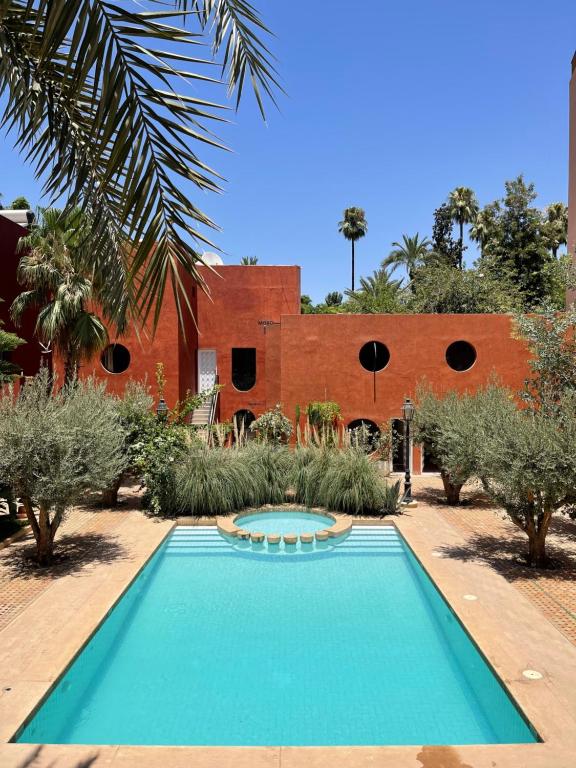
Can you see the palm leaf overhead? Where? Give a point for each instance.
(91, 93)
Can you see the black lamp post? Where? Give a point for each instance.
(162, 410)
(408, 411)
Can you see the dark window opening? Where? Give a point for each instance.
(364, 433)
(115, 358)
(374, 356)
(243, 368)
(460, 355)
(241, 421)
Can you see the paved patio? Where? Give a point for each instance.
(494, 541)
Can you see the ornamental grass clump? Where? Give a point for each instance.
(351, 484)
(214, 481)
(269, 468)
(55, 446)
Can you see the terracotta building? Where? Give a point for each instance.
(572, 173)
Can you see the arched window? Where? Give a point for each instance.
(115, 358)
(364, 433)
(460, 355)
(374, 356)
(243, 368)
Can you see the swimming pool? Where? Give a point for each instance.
(212, 646)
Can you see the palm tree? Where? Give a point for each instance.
(249, 261)
(410, 254)
(377, 294)
(556, 226)
(482, 228)
(353, 226)
(55, 268)
(464, 209)
(104, 99)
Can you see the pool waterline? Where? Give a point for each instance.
(128, 628)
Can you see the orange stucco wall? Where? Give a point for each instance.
(572, 174)
(319, 360)
(241, 297)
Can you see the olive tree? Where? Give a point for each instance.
(526, 462)
(441, 424)
(56, 445)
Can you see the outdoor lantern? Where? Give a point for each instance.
(162, 409)
(408, 410)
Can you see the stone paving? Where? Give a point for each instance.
(495, 542)
(86, 535)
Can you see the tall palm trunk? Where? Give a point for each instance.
(461, 245)
(352, 264)
(70, 367)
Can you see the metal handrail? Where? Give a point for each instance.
(213, 405)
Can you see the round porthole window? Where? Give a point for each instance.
(374, 356)
(115, 358)
(460, 355)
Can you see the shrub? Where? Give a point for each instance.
(351, 484)
(213, 481)
(391, 497)
(54, 447)
(269, 468)
(272, 427)
(441, 423)
(155, 457)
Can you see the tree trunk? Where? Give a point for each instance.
(69, 368)
(44, 537)
(352, 264)
(110, 495)
(537, 549)
(452, 490)
(461, 254)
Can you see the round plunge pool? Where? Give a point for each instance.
(283, 522)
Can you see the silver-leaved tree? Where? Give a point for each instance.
(56, 445)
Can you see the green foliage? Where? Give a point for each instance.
(391, 499)
(104, 100)
(155, 456)
(306, 305)
(353, 225)
(341, 480)
(213, 481)
(55, 269)
(323, 413)
(463, 208)
(443, 289)
(8, 343)
(377, 294)
(352, 484)
(551, 339)
(216, 481)
(272, 427)
(56, 445)
(443, 424)
(517, 246)
(410, 254)
(526, 463)
(249, 261)
(20, 204)
(270, 468)
(445, 250)
(333, 299)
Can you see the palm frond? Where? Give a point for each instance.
(90, 88)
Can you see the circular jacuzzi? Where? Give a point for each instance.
(284, 531)
(284, 522)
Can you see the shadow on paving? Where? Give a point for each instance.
(508, 557)
(470, 497)
(34, 760)
(72, 553)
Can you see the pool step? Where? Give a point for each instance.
(199, 539)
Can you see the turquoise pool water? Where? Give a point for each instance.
(212, 646)
(281, 521)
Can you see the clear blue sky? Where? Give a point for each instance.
(389, 106)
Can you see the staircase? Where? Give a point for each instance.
(196, 540)
(373, 539)
(201, 415)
